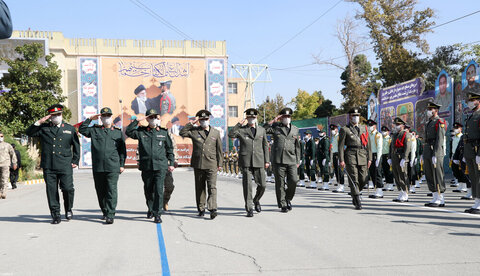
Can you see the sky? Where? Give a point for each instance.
(253, 30)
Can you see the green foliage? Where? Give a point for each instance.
(306, 104)
(325, 109)
(271, 108)
(33, 88)
(27, 168)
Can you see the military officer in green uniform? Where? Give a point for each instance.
(433, 154)
(400, 148)
(254, 158)
(60, 154)
(323, 160)
(168, 184)
(206, 160)
(108, 159)
(310, 151)
(355, 154)
(156, 157)
(471, 152)
(285, 157)
(301, 168)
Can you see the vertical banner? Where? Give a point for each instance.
(89, 101)
(373, 108)
(216, 96)
(470, 83)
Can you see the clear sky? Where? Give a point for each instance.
(252, 29)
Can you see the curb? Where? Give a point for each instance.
(35, 181)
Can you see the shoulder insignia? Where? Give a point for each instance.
(116, 127)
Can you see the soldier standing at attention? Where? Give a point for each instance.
(60, 154)
(433, 154)
(225, 162)
(471, 140)
(400, 148)
(355, 155)
(310, 151)
(8, 158)
(334, 153)
(375, 171)
(156, 157)
(286, 157)
(323, 160)
(254, 157)
(386, 167)
(206, 160)
(108, 160)
(301, 168)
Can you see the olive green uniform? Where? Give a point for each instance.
(400, 148)
(434, 146)
(225, 162)
(310, 152)
(207, 157)
(323, 153)
(156, 154)
(60, 149)
(301, 168)
(253, 156)
(285, 157)
(168, 184)
(108, 155)
(355, 154)
(471, 140)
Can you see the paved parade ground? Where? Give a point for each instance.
(322, 235)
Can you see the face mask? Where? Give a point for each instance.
(1, 139)
(398, 128)
(471, 105)
(251, 121)
(429, 113)
(107, 120)
(322, 134)
(371, 128)
(56, 120)
(151, 122)
(456, 131)
(355, 119)
(286, 121)
(204, 123)
(307, 138)
(385, 133)
(334, 132)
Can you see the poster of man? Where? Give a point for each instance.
(387, 115)
(372, 107)
(443, 92)
(405, 111)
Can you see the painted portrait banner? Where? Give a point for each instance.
(340, 120)
(470, 83)
(373, 107)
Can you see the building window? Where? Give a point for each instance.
(232, 88)
(233, 111)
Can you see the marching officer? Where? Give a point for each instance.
(301, 168)
(400, 148)
(433, 154)
(471, 140)
(60, 154)
(168, 184)
(206, 160)
(285, 157)
(323, 160)
(108, 160)
(254, 157)
(334, 153)
(386, 167)
(156, 157)
(355, 155)
(375, 171)
(310, 151)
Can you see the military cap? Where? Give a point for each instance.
(203, 114)
(151, 112)
(13, 145)
(354, 111)
(55, 109)
(286, 111)
(371, 122)
(457, 125)
(385, 128)
(251, 112)
(399, 121)
(106, 111)
(407, 126)
(316, 139)
(333, 126)
(474, 95)
(433, 105)
(308, 132)
(139, 89)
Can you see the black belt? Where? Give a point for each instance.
(354, 147)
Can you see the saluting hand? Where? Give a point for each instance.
(243, 121)
(44, 119)
(95, 117)
(140, 118)
(267, 165)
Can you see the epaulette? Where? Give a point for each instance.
(116, 127)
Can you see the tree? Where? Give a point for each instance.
(325, 109)
(394, 24)
(448, 58)
(32, 89)
(271, 108)
(306, 104)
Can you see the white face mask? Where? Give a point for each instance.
(107, 120)
(371, 128)
(153, 122)
(286, 121)
(308, 137)
(355, 119)
(251, 120)
(471, 105)
(334, 132)
(56, 120)
(429, 113)
(398, 128)
(204, 123)
(1, 139)
(384, 133)
(456, 131)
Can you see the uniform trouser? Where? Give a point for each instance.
(338, 172)
(14, 176)
(269, 171)
(153, 188)
(458, 173)
(301, 171)
(357, 177)
(375, 173)
(434, 174)
(474, 174)
(400, 174)
(324, 173)
(4, 177)
(230, 167)
(168, 187)
(206, 178)
(52, 180)
(386, 169)
(290, 172)
(106, 188)
(412, 174)
(235, 167)
(259, 177)
(310, 168)
(225, 167)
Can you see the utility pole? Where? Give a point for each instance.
(250, 74)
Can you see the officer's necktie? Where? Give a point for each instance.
(206, 133)
(254, 131)
(358, 130)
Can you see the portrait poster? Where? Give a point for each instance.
(373, 107)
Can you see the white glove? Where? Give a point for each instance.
(477, 159)
(389, 161)
(311, 162)
(323, 162)
(434, 160)
(421, 159)
(402, 163)
(463, 160)
(377, 163)
(411, 163)
(456, 162)
(415, 161)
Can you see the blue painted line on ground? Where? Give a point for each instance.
(163, 251)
